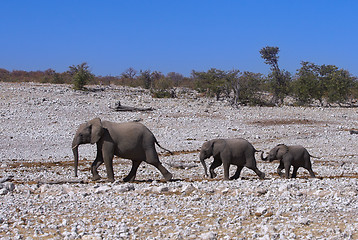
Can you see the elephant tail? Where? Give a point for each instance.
(171, 153)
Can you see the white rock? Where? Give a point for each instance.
(3, 191)
(91, 237)
(9, 186)
(125, 188)
(189, 188)
(102, 189)
(208, 236)
(303, 221)
(260, 211)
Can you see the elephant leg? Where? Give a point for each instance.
(259, 173)
(108, 154)
(133, 172)
(237, 173)
(287, 170)
(96, 163)
(294, 172)
(251, 164)
(311, 172)
(152, 158)
(226, 170)
(279, 169)
(217, 163)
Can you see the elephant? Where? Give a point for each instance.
(236, 151)
(295, 155)
(129, 140)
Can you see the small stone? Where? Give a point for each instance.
(304, 221)
(3, 191)
(163, 189)
(9, 186)
(260, 211)
(102, 189)
(91, 237)
(125, 188)
(188, 188)
(208, 236)
(262, 191)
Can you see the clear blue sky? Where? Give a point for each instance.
(176, 35)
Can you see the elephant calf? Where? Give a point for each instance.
(129, 140)
(237, 152)
(297, 156)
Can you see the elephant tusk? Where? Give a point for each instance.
(74, 147)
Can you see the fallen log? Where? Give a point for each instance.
(119, 108)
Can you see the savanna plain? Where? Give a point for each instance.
(41, 198)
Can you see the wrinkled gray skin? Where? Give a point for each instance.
(129, 140)
(297, 156)
(237, 152)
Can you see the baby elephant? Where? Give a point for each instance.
(297, 156)
(238, 152)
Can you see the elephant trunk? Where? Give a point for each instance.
(75, 154)
(202, 160)
(262, 156)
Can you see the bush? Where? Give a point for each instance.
(81, 75)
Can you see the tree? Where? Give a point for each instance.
(278, 79)
(130, 73)
(213, 81)
(176, 78)
(145, 77)
(337, 83)
(81, 75)
(4, 75)
(307, 85)
(322, 82)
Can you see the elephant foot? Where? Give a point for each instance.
(129, 179)
(262, 176)
(168, 176)
(213, 174)
(96, 177)
(110, 180)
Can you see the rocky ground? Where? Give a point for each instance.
(41, 199)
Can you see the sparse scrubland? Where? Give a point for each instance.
(41, 199)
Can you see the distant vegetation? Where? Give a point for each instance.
(311, 84)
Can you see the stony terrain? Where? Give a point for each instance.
(40, 198)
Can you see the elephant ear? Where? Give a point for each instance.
(206, 150)
(96, 130)
(281, 150)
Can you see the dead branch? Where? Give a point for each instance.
(119, 108)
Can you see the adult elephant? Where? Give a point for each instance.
(237, 152)
(129, 140)
(295, 155)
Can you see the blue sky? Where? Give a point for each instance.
(176, 36)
